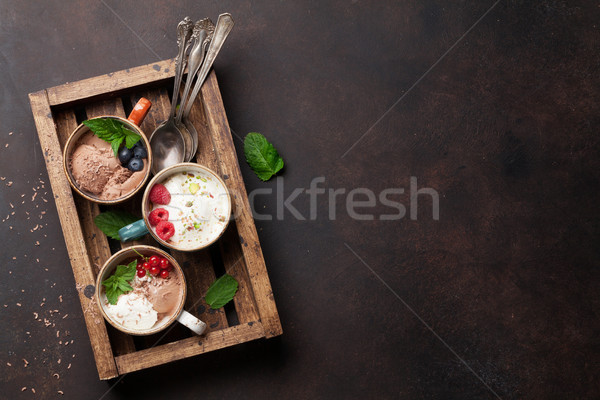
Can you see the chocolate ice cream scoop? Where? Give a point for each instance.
(165, 294)
(91, 167)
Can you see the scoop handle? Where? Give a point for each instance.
(194, 324)
(139, 112)
(133, 231)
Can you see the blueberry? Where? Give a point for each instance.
(139, 152)
(135, 164)
(125, 155)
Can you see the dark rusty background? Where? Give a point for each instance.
(498, 297)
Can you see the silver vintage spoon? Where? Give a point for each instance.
(167, 142)
(203, 31)
(222, 29)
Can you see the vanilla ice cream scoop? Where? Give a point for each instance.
(133, 311)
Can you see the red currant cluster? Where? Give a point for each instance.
(154, 265)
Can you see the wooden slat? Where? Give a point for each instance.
(65, 125)
(189, 347)
(199, 275)
(257, 271)
(114, 82)
(235, 265)
(231, 253)
(122, 342)
(67, 213)
(95, 240)
(105, 107)
(233, 260)
(206, 154)
(199, 272)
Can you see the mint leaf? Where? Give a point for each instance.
(262, 156)
(124, 286)
(131, 138)
(113, 131)
(115, 144)
(111, 221)
(127, 272)
(109, 281)
(112, 295)
(221, 291)
(118, 283)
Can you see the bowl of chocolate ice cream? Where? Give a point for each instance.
(107, 159)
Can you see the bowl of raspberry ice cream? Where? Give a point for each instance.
(187, 207)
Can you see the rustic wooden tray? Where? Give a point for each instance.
(252, 314)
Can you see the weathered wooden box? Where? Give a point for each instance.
(252, 314)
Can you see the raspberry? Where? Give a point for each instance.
(159, 194)
(165, 230)
(157, 215)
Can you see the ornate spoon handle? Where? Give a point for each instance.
(184, 31)
(222, 29)
(203, 32)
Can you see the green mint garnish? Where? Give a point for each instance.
(111, 221)
(112, 131)
(221, 291)
(262, 157)
(118, 283)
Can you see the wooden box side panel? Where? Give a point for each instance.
(113, 83)
(189, 347)
(67, 212)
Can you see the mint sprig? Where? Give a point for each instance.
(111, 221)
(221, 291)
(262, 156)
(118, 283)
(113, 131)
